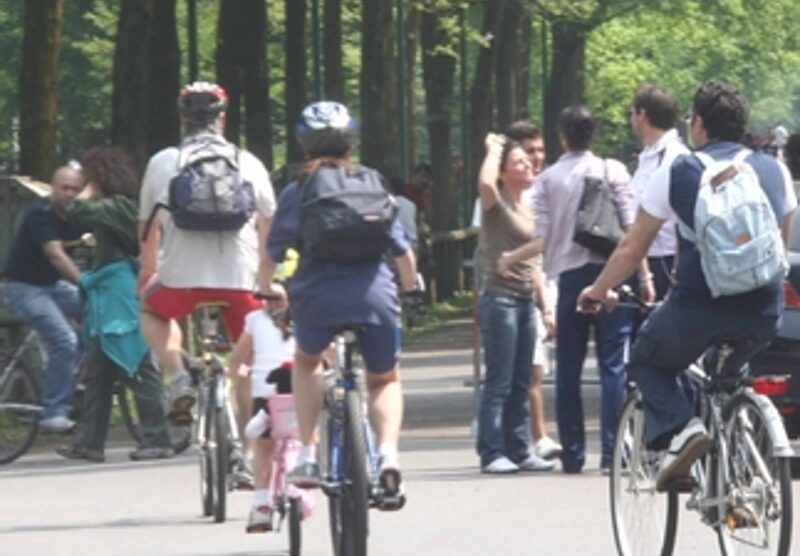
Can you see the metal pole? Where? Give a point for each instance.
(467, 193)
(317, 41)
(191, 24)
(402, 101)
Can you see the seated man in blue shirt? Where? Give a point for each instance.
(691, 319)
(41, 291)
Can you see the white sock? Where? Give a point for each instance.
(308, 454)
(389, 453)
(262, 497)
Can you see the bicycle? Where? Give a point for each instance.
(741, 487)
(293, 505)
(349, 460)
(20, 402)
(216, 433)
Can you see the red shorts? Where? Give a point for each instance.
(176, 303)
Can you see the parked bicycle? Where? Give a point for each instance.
(348, 454)
(20, 402)
(741, 488)
(216, 433)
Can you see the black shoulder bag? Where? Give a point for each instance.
(598, 226)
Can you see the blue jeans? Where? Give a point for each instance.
(508, 330)
(674, 336)
(611, 333)
(47, 309)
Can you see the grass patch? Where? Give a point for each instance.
(459, 306)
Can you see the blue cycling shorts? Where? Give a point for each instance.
(379, 345)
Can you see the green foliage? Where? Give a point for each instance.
(690, 42)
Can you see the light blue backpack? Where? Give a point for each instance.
(735, 229)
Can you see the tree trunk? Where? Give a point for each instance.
(412, 39)
(41, 47)
(508, 64)
(229, 62)
(566, 85)
(164, 64)
(258, 125)
(296, 78)
(524, 65)
(439, 75)
(481, 97)
(379, 141)
(332, 49)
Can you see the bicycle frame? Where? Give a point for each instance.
(19, 353)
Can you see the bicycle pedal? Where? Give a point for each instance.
(392, 503)
(180, 417)
(682, 485)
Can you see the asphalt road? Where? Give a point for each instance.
(52, 506)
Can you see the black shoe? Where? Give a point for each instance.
(72, 451)
(152, 452)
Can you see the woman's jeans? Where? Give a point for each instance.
(49, 310)
(611, 334)
(508, 331)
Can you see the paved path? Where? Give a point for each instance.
(50, 506)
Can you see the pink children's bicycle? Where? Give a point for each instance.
(291, 504)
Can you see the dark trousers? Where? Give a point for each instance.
(674, 336)
(661, 268)
(611, 332)
(99, 375)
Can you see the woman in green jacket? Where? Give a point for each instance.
(115, 347)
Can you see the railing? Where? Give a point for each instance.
(452, 269)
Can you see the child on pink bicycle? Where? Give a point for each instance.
(267, 347)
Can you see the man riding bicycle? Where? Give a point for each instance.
(326, 293)
(692, 318)
(199, 250)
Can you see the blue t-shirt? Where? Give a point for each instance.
(328, 293)
(691, 287)
(26, 260)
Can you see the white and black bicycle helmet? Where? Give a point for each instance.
(326, 128)
(202, 101)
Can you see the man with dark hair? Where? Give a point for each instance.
(652, 118)
(691, 320)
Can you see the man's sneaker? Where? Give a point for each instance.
(535, 463)
(73, 451)
(152, 452)
(56, 425)
(684, 449)
(180, 394)
(390, 478)
(547, 448)
(500, 466)
(259, 520)
(305, 475)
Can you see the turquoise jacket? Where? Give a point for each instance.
(111, 314)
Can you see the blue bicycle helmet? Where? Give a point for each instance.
(326, 128)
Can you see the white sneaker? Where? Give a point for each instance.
(56, 425)
(259, 520)
(547, 448)
(535, 463)
(500, 466)
(684, 449)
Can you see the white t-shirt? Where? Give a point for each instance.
(270, 349)
(194, 259)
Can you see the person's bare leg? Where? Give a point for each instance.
(244, 402)
(538, 427)
(308, 389)
(164, 338)
(386, 406)
(263, 452)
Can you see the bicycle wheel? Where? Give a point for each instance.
(220, 450)
(330, 445)
(355, 486)
(644, 520)
(295, 539)
(19, 413)
(203, 424)
(757, 511)
(180, 434)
